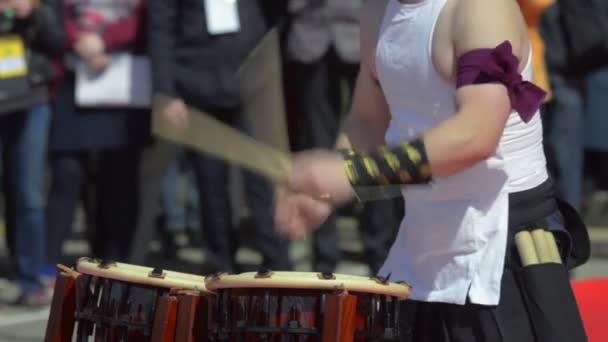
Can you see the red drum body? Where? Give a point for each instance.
(123, 302)
(300, 306)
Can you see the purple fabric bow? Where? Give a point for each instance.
(500, 65)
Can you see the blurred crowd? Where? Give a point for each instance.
(63, 149)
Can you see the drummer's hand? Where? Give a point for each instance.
(321, 174)
(296, 214)
(317, 184)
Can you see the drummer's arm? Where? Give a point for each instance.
(368, 119)
(470, 135)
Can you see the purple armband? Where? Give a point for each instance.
(500, 65)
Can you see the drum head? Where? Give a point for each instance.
(141, 275)
(308, 280)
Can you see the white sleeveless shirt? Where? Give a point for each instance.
(453, 238)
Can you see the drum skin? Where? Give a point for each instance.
(141, 275)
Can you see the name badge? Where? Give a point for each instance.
(222, 16)
(12, 57)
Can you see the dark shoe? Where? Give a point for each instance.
(167, 242)
(208, 269)
(195, 238)
(595, 212)
(277, 265)
(321, 267)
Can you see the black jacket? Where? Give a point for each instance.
(576, 36)
(191, 64)
(43, 36)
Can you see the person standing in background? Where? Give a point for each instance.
(95, 30)
(30, 34)
(195, 61)
(575, 118)
(323, 41)
(444, 107)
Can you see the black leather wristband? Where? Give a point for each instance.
(405, 163)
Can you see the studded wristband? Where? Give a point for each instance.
(405, 163)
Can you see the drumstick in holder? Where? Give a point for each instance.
(525, 247)
(541, 245)
(552, 245)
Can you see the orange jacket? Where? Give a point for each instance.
(532, 11)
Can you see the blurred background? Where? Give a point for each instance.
(82, 174)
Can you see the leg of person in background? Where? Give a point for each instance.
(154, 162)
(192, 210)
(326, 247)
(319, 89)
(274, 248)
(378, 226)
(596, 141)
(220, 241)
(596, 121)
(595, 197)
(118, 201)
(598, 165)
(67, 179)
(89, 203)
(9, 206)
(9, 129)
(564, 138)
(172, 216)
(29, 163)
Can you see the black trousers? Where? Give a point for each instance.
(323, 85)
(536, 302)
(442, 322)
(112, 214)
(154, 161)
(220, 237)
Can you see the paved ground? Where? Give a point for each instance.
(18, 324)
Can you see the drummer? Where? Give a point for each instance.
(443, 106)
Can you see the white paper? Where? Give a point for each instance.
(222, 16)
(12, 65)
(126, 82)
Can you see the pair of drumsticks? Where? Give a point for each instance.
(537, 247)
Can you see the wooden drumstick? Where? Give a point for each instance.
(209, 135)
(541, 245)
(552, 245)
(525, 247)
